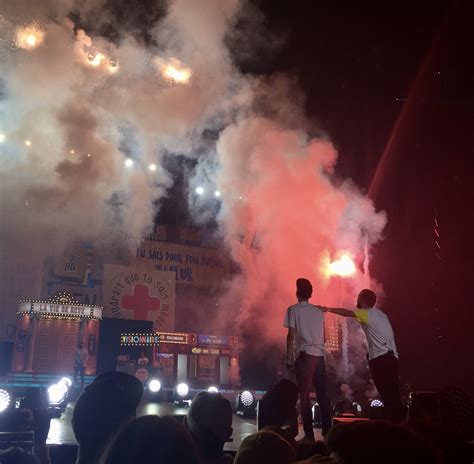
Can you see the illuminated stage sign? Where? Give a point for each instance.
(213, 340)
(60, 311)
(178, 338)
(137, 339)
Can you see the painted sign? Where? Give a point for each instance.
(131, 292)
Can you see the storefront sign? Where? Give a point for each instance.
(213, 340)
(137, 339)
(179, 338)
(60, 310)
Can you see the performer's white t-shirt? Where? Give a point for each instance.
(378, 330)
(308, 321)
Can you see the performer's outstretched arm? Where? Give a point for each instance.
(341, 312)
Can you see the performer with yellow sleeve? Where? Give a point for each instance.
(382, 356)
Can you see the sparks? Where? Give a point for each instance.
(29, 37)
(342, 267)
(173, 71)
(94, 59)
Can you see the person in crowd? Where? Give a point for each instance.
(143, 360)
(104, 407)
(265, 446)
(382, 356)
(305, 342)
(209, 422)
(80, 360)
(278, 407)
(367, 442)
(152, 439)
(16, 455)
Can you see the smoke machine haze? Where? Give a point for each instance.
(100, 116)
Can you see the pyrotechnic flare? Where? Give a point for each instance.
(173, 70)
(342, 267)
(29, 37)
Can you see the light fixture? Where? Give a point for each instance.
(246, 404)
(376, 404)
(154, 385)
(213, 389)
(182, 390)
(57, 393)
(5, 400)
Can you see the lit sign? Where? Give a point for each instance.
(173, 338)
(213, 340)
(60, 310)
(136, 339)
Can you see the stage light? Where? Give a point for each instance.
(246, 404)
(376, 404)
(5, 400)
(154, 385)
(200, 190)
(182, 390)
(57, 393)
(2, 137)
(152, 167)
(66, 381)
(217, 194)
(129, 162)
(213, 389)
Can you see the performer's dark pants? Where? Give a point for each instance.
(384, 371)
(311, 370)
(79, 370)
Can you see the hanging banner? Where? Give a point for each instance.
(132, 292)
(202, 267)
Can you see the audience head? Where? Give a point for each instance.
(154, 439)
(278, 406)
(304, 289)
(265, 446)
(16, 455)
(366, 299)
(209, 420)
(104, 406)
(370, 442)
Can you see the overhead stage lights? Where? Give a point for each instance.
(5, 400)
(154, 385)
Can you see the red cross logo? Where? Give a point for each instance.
(140, 303)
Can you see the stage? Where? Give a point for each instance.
(61, 431)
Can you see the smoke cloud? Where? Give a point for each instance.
(76, 106)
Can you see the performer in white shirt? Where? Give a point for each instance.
(305, 352)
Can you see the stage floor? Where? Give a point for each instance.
(61, 432)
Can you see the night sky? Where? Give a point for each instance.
(393, 83)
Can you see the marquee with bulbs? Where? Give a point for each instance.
(60, 306)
